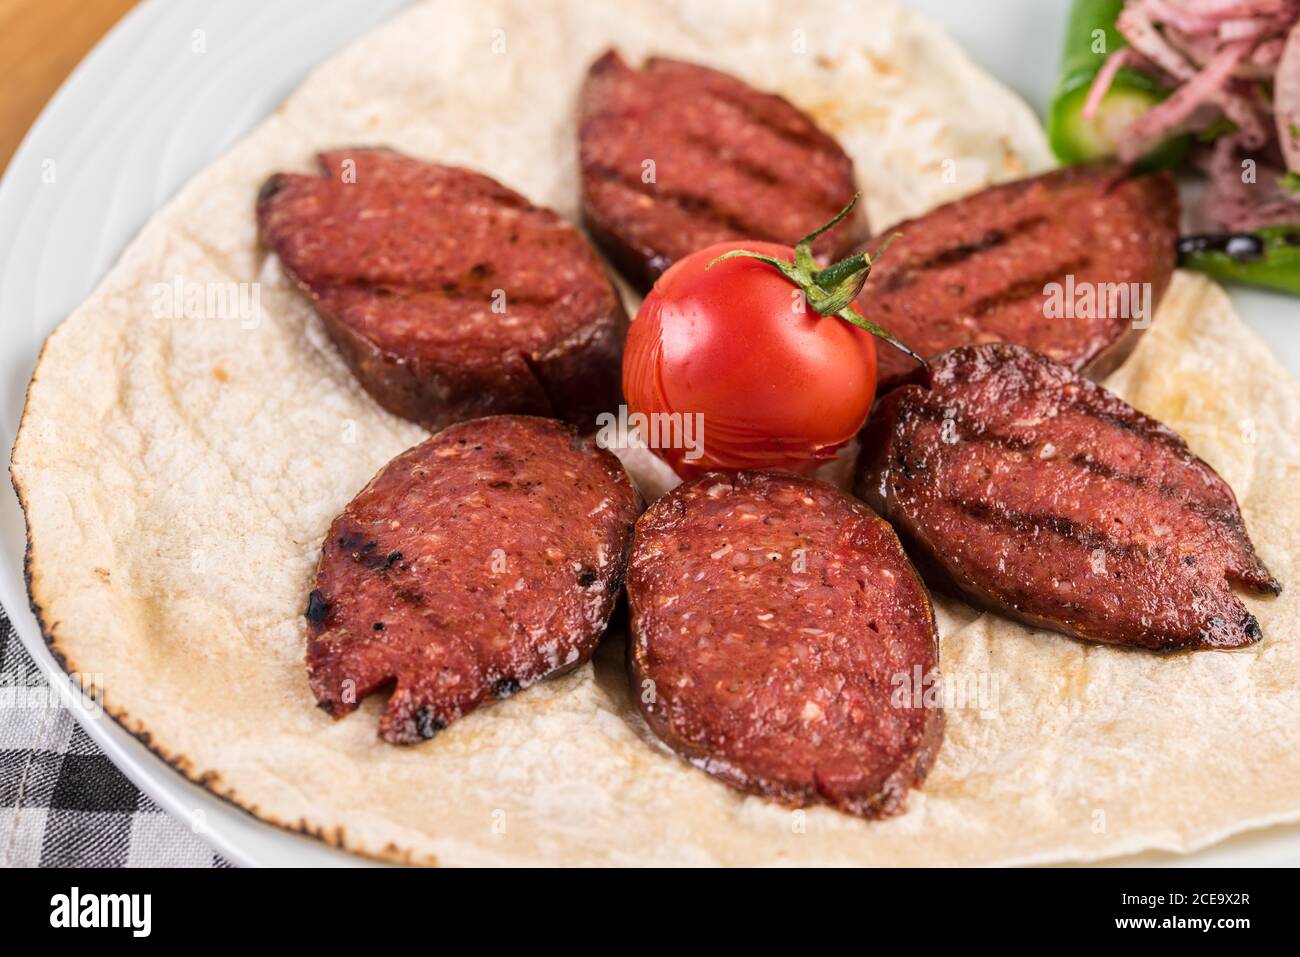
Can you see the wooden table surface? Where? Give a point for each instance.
(40, 43)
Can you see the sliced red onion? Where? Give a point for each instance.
(1197, 49)
(1268, 52)
(1214, 54)
(1235, 8)
(1104, 78)
(1141, 33)
(1167, 116)
(1232, 205)
(1175, 15)
(1240, 103)
(1286, 100)
(1245, 28)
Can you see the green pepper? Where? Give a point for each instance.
(1090, 38)
(1269, 257)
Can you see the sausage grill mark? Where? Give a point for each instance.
(976, 270)
(731, 163)
(1023, 526)
(791, 125)
(459, 292)
(966, 429)
(695, 204)
(1029, 288)
(906, 273)
(743, 164)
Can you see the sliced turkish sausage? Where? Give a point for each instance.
(449, 295)
(1052, 262)
(676, 157)
(1033, 492)
(781, 641)
(474, 564)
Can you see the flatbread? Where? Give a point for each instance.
(178, 475)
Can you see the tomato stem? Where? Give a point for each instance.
(830, 291)
(837, 273)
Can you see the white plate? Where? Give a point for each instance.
(170, 89)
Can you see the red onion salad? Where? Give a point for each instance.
(1232, 68)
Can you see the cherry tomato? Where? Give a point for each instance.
(778, 385)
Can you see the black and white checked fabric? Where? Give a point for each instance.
(62, 802)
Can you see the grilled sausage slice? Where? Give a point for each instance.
(449, 295)
(1033, 492)
(474, 564)
(781, 641)
(676, 157)
(981, 269)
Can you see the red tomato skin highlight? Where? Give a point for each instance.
(779, 386)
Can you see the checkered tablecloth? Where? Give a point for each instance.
(62, 802)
